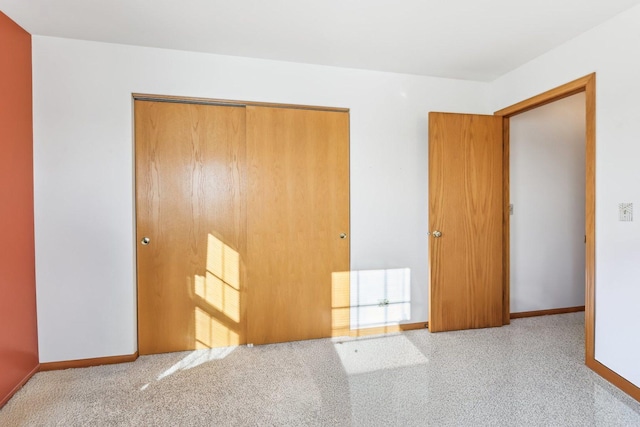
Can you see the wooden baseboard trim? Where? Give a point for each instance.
(414, 326)
(85, 363)
(6, 398)
(379, 330)
(547, 312)
(615, 379)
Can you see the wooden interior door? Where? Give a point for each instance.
(298, 206)
(465, 221)
(190, 203)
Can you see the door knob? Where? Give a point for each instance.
(145, 241)
(343, 235)
(436, 233)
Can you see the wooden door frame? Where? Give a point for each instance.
(586, 84)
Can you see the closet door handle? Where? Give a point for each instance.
(343, 235)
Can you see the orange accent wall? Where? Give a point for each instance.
(18, 328)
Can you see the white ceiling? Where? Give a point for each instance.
(465, 39)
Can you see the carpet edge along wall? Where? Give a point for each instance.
(18, 326)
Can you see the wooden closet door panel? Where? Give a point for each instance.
(190, 171)
(298, 206)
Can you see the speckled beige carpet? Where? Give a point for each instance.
(528, 373)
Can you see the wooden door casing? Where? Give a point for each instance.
(465, 205)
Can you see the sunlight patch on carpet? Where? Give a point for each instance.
(197, 358)
(374, 354)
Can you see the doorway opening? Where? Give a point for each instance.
(587, 85)
(546, 208)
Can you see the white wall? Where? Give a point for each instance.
(547, 191)
(611, 51)
(83, 156)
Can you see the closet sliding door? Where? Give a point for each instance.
(242, 217)
(191, 227)
(297, 223)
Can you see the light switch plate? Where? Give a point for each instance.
(626, 211)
